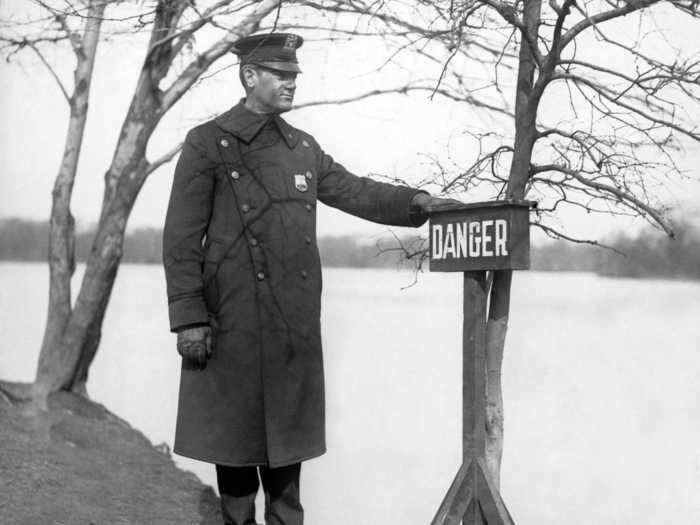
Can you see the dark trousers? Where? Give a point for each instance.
(239, 485)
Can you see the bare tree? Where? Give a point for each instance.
(603, 102)
(83, 35)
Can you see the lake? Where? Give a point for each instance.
(601, 383)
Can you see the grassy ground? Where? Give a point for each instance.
(78, 464)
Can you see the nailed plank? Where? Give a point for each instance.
(474, 366)
(458, 496)
(492, 504)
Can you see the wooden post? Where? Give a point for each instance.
(474, 381)
(472, 498)
(474, 366)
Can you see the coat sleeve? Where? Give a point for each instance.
(363, 197)
(186, 223)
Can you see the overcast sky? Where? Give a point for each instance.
(389, 134)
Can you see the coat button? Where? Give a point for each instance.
(235, 175)
(245, 208)
(224, 143)
(307, 239)
(309, 207)
(309, 175)
(304, 275)
(260, 276)
(253, 241)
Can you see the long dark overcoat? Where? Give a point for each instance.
(240, 253)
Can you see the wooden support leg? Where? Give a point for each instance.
(457, 498)
(474, 366)
(472, 498)
(495, 511)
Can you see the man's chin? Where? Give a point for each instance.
(285, 104)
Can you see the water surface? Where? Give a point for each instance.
(601, 384)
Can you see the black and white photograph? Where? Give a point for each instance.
(349, 262)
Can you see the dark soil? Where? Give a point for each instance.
(79, 464)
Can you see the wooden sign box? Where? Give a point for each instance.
(491, 235)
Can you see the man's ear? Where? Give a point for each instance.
(250, 76)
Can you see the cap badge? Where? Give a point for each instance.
(306, 144)
(291, 42)
(300, 182)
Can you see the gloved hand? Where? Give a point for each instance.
(426, 203)
(194, 345)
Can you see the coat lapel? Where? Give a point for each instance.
(245, 124)
(242, 122)
(290, 134)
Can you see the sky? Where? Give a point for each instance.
(390, 135)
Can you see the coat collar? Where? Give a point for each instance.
(245, 124)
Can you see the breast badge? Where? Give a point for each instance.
(300, 182)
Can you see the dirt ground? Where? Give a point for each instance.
(78, 464)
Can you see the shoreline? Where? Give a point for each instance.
(79, 463)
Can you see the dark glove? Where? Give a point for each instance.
(425, 203)
(194, 345)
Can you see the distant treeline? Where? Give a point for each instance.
(24, 240)
(649, 255)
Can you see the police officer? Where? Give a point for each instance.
(244, 284)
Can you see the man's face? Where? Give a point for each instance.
(273, 90)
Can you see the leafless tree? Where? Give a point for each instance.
(82, 33)
(604, 103)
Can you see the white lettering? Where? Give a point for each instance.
(501, 237)
(459, 240)
(462, 239)
(474, 239)
(486, 238)
(449, 242)
(437, 241)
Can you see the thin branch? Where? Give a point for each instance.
(603, 92)
(204, 18)
(404, 90)
(556, 234)
(200, 64)
(53, 73)
(592, 21)
(60, 17)
(620, 194)
(508, 14)
(164, 159)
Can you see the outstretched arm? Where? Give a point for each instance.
(372, 200)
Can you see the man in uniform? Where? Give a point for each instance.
(244, 284)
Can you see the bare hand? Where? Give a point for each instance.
(194, 345)
(427, 203)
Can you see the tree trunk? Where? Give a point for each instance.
(496, 328)
(526, 104)
(68, 366)
(62, 225)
